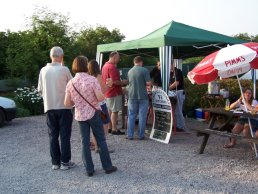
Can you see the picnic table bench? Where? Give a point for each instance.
(223, 129)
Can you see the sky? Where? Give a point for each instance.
(137, 18)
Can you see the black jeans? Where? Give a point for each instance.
(59, 122)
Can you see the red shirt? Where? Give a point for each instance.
(109, 70)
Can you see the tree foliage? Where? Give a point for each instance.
(247, 37)
(24, 53)
(51, 29)
(87, 40)
(20, 51)
(3, 55)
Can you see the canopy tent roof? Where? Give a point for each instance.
(187, 41)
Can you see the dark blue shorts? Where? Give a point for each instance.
(105, 110)
(254, 123)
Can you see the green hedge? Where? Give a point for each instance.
(8, 85)
(195, 92)
(22, 112)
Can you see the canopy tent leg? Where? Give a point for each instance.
(178, 63)
(99, 58)
(249, 122)
(165, 56)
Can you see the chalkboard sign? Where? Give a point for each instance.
(163, 120)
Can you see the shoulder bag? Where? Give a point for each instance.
(103, 116)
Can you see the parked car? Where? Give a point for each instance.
(7, 110)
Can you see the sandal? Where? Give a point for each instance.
(229, 145)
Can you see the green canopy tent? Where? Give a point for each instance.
(174, 40)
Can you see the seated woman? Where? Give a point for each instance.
(254, 122)
(243, 124)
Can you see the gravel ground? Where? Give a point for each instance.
(144, 166)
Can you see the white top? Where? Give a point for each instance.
(52, 84)
(254, 104)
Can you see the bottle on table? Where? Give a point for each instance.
(227, 106)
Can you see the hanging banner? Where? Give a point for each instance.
(163, 120)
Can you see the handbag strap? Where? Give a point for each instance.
(83, 97)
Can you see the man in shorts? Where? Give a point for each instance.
(114, 93)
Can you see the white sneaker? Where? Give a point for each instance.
(55, 167)
(66, 166)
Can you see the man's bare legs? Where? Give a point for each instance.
(110, 124)
(114, 118)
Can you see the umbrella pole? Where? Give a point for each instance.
(249, 122)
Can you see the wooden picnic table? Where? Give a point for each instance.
(223, 129)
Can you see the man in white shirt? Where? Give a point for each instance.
(51, 85)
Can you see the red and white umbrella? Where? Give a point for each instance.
(227, 62)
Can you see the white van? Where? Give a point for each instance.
(7, 110)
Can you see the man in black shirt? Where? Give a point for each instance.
(156, 75)
(176, 79)
(176, 84)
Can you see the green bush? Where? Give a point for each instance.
(195, 92)
(8, 85)
(233, 87)
(193, 95)
(30, 99)
(22, 112)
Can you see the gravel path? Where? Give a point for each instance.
(144, 166)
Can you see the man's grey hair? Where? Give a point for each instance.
(56, 52)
